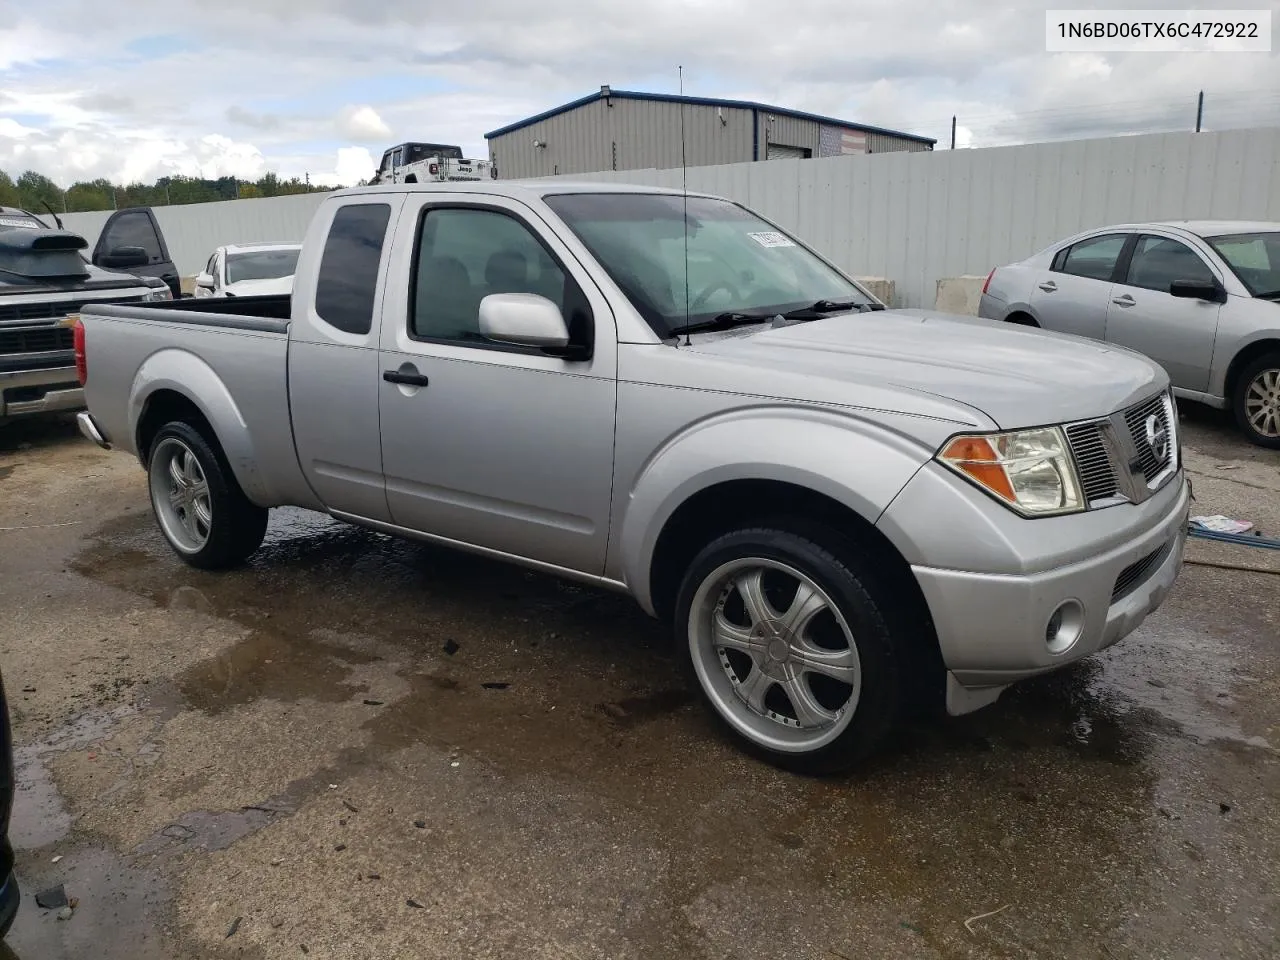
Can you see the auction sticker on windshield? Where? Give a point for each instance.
(19, 222)
(771, 239)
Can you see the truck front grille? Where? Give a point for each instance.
(1135, 574)
(36, 340)
(52, 309)
(1155, 412)
(1093, 463)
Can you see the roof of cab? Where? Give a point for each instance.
(516, 189)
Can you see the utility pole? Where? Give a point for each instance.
(1199, 111)
(953, 131)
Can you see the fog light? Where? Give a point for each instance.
(1065, 625)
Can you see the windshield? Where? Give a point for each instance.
(1254, 258)
(737, 263)
(420, 151)
(261, 265)
(20, 221)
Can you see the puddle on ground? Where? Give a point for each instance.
(39, 816)
(270, 665)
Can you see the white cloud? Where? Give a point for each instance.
(313, 80)
(362, 124)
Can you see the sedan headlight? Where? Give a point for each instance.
(161, 292)
(1030, 471)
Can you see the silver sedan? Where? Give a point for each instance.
(1201, 298)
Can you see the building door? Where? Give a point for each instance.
(780, 151)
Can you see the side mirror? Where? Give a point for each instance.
(123, 258)
(525, 319)
(205, 281)
(1210, 290)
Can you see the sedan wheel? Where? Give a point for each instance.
(1257, 401)
(1262, 403)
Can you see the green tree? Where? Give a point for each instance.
(92, 195)
(8, 191)
(35, 190)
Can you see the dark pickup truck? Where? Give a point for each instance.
(44, 282)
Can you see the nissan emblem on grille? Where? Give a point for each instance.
(1157, 437)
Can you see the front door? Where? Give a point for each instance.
(1177, 333)
(137, 227)
(499, 446)
(1073, 294)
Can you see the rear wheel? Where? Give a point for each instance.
(789, 642)
(1257, 401)
(198, 504)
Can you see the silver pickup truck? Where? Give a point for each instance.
(844, 511)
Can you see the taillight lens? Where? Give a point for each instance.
(82, 362)
(988, 282)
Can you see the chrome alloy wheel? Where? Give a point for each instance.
(1262, 403)
(180, 495)
(774, 654)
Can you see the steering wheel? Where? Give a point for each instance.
(713, 287)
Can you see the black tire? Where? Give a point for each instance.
(1269, 362)
(869, 604)
(237, 526)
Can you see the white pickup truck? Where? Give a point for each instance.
(843, 511)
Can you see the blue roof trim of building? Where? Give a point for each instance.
(703, 102)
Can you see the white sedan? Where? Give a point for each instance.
(249, 270)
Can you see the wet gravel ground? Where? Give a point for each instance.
(356, 747)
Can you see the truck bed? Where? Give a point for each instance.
(229, 355)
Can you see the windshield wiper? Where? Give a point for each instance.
(816, 310)
(1269, 295)
(723, 321)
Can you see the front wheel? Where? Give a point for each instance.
(792, 648)
(1257, 401)
(200, 508)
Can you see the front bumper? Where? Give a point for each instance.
(992, 626)
(29, 392)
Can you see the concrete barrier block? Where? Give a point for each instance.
(188, 285)
(881, 288)
(959, 295)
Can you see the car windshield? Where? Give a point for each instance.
(1254, 258)
(420, 151)
(261, 265)
(20, 221)
(737, 263)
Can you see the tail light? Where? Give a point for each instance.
(82, 362)
(988, 283)
(433, 169)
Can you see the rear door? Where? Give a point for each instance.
(1175, 332)
(1073, 294)
(333, 353)
(136, 227)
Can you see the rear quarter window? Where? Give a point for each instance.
(349, 266)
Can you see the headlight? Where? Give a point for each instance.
(161, 292)
(1029, 470)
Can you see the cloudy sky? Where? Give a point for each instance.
(136, 89)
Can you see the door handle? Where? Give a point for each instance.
(1048, 286)
(1125, 301)
(407, 376)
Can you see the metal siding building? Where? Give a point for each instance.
(624, 130)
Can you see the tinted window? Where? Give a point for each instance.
(1094, 258)
(135, 230)
(465, 255)
(349, 267)
(1157, 262)
(261, 265)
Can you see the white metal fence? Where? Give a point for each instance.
(913, 218)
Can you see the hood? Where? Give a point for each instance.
(1017, 376)
(260, 288)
